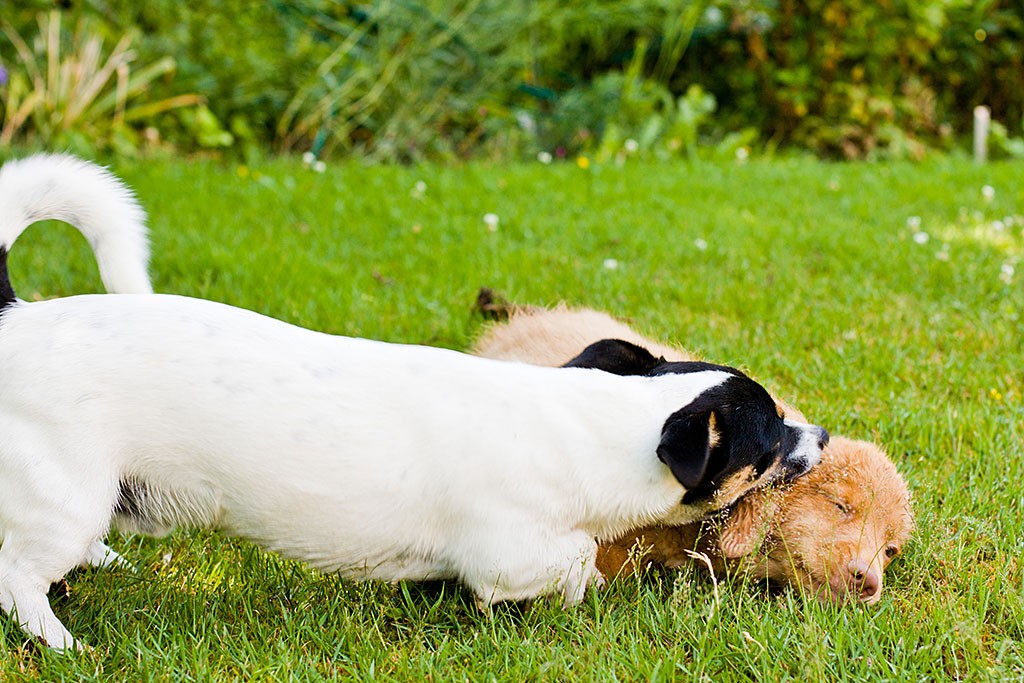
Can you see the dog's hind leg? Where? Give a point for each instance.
(23, 586)
(25, 600)
(101, 555)
(39, 550)
(37, 554)
(52, 512)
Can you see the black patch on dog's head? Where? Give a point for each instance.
(686, 446)
(626, 358)
(731, 427)
(744, 431)
(617, 357)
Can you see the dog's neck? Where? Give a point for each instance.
(608, 497)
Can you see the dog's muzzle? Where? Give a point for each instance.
(807, 453)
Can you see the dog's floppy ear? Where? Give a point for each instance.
(747, 524)
(617, 357)
(686, 442)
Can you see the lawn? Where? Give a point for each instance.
(880, 299)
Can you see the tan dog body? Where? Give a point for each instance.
(831, 532)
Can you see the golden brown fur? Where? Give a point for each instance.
(832, 532)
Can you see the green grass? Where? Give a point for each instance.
(811, 280)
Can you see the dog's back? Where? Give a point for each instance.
(190, 392)
(555, 336)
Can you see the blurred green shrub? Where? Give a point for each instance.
(62, 89)
(1002, 144)
(404, 80)
(408, 79)
(854, 78)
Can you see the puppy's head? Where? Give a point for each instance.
(730, 440)
(833, 532)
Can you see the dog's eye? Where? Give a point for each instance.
(891, 551)
(842, 507)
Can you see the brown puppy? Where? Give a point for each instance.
(832, 532)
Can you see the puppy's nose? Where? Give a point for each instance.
(822, 437)
(864, 580)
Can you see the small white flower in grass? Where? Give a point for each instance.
(913, 222)
(998, 226)
(631, 145)
(988, 193)
(418, 190)
(742, 154)
(491, 220)
(700, 244)
(610, 264)
(544, 157)
(308, 158)
(921, 237)
(526, 121)
(1006, 273)
(319, 166)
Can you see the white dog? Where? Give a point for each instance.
(366, 458)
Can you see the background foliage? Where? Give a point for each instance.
(407, 79)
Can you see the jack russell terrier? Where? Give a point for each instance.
(150, 412)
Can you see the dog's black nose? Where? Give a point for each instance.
(822, 437)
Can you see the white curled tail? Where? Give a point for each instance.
(90, 198)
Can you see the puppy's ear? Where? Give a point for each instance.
(746, 527)
(617, 357)
(686, 442)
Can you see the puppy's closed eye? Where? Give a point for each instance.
(844, 508)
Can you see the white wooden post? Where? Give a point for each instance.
(982, 118)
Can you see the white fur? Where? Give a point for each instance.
(65, 188)
(371, 459)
